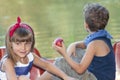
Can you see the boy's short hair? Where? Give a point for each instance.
(96, 16)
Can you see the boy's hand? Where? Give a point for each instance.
(60, 49)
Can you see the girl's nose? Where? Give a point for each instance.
(23, 47)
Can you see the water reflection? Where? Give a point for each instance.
(53, 18)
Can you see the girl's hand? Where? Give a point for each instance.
(23, 77)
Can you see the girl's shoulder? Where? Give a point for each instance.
(5, 62)
(30, 56)
(2, 61)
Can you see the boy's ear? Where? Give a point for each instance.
(86, 25)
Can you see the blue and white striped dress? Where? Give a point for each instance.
(20, 68)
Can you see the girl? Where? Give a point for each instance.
(19, 57)
(98, 61)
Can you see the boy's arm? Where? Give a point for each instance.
(86, 60)
(80, 44)
(72, 47)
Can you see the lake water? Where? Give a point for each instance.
(55, 18)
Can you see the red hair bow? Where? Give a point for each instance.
(14, 27)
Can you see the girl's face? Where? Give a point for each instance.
(21, 49)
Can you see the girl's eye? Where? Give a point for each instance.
(28, 43)
(17, 43)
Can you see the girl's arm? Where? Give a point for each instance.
(50, 67)
(10, 71)
(85, 62)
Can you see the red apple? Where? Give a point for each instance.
(58, 41)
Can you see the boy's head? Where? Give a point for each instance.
(96, 16)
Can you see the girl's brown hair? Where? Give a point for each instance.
(24, 33)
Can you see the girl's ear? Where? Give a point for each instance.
(10, 44)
